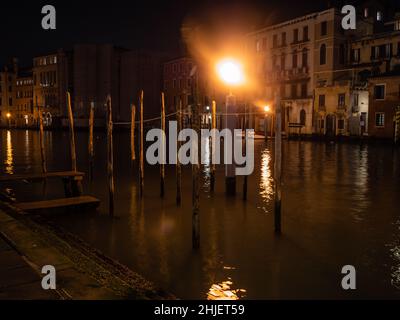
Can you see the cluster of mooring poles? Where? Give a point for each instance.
(230, 177)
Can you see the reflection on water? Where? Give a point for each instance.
(395, 250)
(206, 161)
(9, 161)
(340, 206)
(266, 183)
(360, 180)
(224, 291)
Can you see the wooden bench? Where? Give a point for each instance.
(72, 180)
(76, 175)
(82, 201)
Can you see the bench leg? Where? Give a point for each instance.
(67, 187)
(76, 187)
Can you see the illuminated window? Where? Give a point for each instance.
(379, 119)
(397, 25)
(379, 16)
(341, 99)
(258, 47)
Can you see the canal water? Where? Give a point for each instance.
(340, 207)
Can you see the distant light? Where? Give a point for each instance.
(230, 71)
(207, 108)
(267, 109)
(8, 115)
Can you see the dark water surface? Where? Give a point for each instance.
(340, 207)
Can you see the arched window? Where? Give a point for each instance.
(303, 117)
(322, 55)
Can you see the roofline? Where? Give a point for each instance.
(292, 21)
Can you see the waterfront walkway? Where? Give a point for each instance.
(18, 280)
(25, 247)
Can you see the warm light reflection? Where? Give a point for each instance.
(206, 162)
(230, 71)
(267, 109)
(223, 291)
(9, 161)
(396, 269)
(266, 183)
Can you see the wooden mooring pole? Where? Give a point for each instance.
(213, 144)
(141, 165)
(162, 165)
(133, 116)
(110, 157)
(278, 164)
(91, 148)
(178, 164)
(71, 133)
(244, 147)
(41, 140)
(196, 179)
(73, 187)
(42, 150)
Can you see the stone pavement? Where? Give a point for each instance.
(18, 280)
(82, 273)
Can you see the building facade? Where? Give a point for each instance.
(24, 107)
(7, 94)
(384, 93)
(178, 82)
(321, 71)
(283, 64)
(51, 81)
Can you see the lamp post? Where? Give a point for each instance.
(231, 73)
(278, 165)
(266, 111)
(8, 115)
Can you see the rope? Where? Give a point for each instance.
(147, 120)
(187, 113)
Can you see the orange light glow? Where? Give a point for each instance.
(267, 109)
(230, 71)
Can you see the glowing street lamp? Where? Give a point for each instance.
(8, 116)
(231, 73)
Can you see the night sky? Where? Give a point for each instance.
(153, 25)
